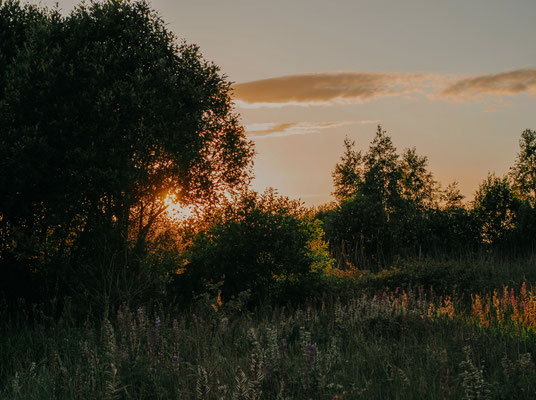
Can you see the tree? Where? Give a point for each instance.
(348, 173)
(452, 197)
(495, 206)
(523, 173)
(103, 115)
(418, 184)
(382, 170)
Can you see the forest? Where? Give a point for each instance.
(399, 288)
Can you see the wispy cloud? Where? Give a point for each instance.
(270, 129)
(503, 84)
(352, 87)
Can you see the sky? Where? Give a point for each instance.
(456, 79)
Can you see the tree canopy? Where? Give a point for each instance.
(103, 113)
(523, 173)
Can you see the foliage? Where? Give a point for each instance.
(382, 173)
(523, 172)
(452, 197)
(389, 206)
(348, 173)
(386, 204)
(103, 115)
(252, 243)
(418, 184)
(495, 206)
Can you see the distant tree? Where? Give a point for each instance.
(348, 173)
(523, 173)
(452, 197)
(495, 205)
(104, 114)
(417, 181)
(382, 202)
(382, 171)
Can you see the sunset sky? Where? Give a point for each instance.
(456, 79)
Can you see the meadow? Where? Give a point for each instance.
(360, 339)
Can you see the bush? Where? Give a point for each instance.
(253, 243)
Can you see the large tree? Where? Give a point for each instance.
(103, 114)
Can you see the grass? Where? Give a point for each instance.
(388, 344)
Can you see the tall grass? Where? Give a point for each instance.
(397, 344)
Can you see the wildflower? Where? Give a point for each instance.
(404, 299)
(140, 311)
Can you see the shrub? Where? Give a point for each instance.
(255, 242)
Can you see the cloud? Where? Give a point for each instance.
(356, 87)
(502, 84)
(334, 87)
(270, 129)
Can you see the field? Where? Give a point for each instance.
(366, 343)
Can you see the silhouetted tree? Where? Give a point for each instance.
(389, 206)
(523, 173)
(451, 196)
(382, 172)
(495, 206)
(103, 114)
(417, 181)
(348, 173)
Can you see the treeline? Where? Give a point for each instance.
(389, 206)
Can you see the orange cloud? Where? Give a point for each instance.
(355, 87)
(269, 129)
(502, 84)
(327, 88)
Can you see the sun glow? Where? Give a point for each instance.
(176, 210)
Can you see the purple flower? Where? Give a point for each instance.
(157, 322)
